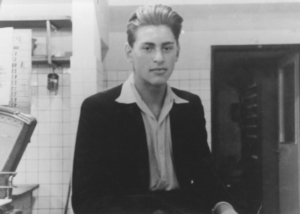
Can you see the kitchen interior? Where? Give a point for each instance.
(241, 58)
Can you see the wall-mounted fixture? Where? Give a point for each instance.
(52, 83)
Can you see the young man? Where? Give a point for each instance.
(141, 147)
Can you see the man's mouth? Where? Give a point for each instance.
(159, 69)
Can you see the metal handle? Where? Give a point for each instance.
(26, 118)
(10, 185)
(8, 110)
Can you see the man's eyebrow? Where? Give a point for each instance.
(165, 43)
(168, 43)
(148, 43)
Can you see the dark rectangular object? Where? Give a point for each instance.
(16, 129)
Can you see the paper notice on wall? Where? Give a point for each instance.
(21, 70)
(15, 68)
(6, 43)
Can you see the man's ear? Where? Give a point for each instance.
(178, 51)
(128, 51)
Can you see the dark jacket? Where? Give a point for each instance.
(111, 158)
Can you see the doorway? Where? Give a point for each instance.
(246, 125)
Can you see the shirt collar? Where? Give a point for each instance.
(128, 96)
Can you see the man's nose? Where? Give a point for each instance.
(158, 58)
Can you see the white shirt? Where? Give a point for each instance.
(158, 133)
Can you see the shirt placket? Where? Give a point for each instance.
(161, 151)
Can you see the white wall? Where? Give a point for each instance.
(35, 8)
(192, 2)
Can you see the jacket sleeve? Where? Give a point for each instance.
(209, 188)
(91, 171)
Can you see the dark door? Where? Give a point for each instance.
(289, 135)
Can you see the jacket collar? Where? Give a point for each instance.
(129, 93)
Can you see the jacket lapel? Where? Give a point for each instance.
(139, 141)
(179, 123)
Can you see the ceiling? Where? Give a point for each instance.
(208, 17)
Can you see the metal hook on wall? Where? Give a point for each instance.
(52, 83)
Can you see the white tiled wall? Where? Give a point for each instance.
(47, 159)
(195, 81)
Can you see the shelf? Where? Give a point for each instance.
(39, 60)
(45, 22)
(19, 22)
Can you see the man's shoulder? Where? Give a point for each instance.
(108, 96)
(185, 94)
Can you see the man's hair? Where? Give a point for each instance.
(154, 15)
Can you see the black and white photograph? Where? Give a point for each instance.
(149, 106)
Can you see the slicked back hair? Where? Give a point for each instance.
(154, 15)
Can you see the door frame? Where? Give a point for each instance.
(289, 187)
(289, 48)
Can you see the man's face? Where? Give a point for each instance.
(154, 54)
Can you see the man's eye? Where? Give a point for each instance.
(147, 48)
(168, 48)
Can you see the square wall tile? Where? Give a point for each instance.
(44, 116)
(34, 91)
(194, 84)
(58, 191)
(67, 141)
(66, 79)
(195, 74)
(66, 115)
(44, 178)
(56, 140)
(43, 202)
(205, 74)
(56, 103)
(56, 203)
(56, 166)
(44, 190)
(184, 85)
(122, 75)
(44, 104)
(44, 154)
(43, 211)
(32, 178)
(20, 178)
(175, 75)
(44, 128)
(32, 166)
(66, 128)
(42, 80)
(44, 165)
(32, 153)
(205, 84)
(66, 180)
(183, 75)
(42, 91)
(90, 88)
(21, 166)
(56, 116)
(76, 88)
(56, 128)
(67, 153)
(56, 153)
(112, 75)
(44, 141)
(67, 165)
(66, 91)
(56, 179)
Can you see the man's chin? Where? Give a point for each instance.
(159, 83)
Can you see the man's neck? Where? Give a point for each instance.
(153, 96)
